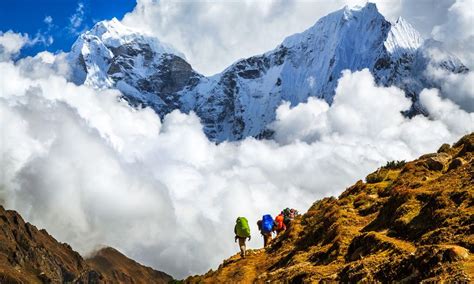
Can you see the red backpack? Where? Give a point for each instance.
(280, 225)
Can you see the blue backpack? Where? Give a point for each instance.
(267, 223)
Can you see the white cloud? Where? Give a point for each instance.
(41, 38)
(447, 112)
(91, 170)
(214, 34)
(363, 111)
(458, 88)
(11, 43)
(457, 31)
(48, 20)
(77, 19)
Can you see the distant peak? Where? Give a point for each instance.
(114, 21)
(112, 27)
(113, 33)
(402, 21)
(343, 17)
(349, 11)
(403, 37)
(108, 23)
(369, 6)
(367, 9)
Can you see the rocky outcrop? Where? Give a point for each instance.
(413, 222)
(437, 162)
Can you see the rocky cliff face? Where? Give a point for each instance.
(241, 101)
(408, 222)
(29, 255)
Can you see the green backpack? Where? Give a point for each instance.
(242, 228)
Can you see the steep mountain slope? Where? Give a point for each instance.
(118, 268)
(408, 222)
(241, 101)
(29, 255)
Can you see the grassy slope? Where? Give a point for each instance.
(412, 222)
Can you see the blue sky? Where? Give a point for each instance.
(60, 20)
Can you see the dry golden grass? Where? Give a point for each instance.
(411, 222)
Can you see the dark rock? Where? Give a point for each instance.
(444, 148)
(438, 162)
(455, 163)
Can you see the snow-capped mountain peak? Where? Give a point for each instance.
(241, 101)
(403, 37)
(109, 48)
(337, 22)
(111, 29)
(114, 34)
(368, 8)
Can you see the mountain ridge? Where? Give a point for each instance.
(241, 100)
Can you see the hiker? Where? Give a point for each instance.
(279, 224)
(242, 232)
(266, 227)
(289, 215)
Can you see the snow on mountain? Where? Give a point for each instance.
(143, 68)
(241, 101)
(114, 34)
(402, 37)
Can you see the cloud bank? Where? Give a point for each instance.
(94, 171)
